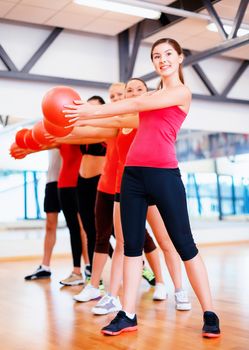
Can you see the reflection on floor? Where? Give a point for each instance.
(41, 315)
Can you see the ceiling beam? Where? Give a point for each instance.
(123, 55)
(218, 49)
(202, 75)
(32, 61)
(238, 18)
(216, 19)
(135, 48)
(219, 98)
(180, 10)
(235, 78)
(54, 80)
(9, 64)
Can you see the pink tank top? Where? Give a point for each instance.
(154, 143)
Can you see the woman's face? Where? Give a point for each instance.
(134, 88)
(166, 60)
(116, 93)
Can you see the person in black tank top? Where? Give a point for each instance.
(93, 158)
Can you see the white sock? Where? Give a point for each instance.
(46, 268)
(131, 316)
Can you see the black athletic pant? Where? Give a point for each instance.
(86, 190)
(163, 187)
(69, 206)
(104, 222)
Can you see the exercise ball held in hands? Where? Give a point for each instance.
(19, 138)
(56, 130)
(39, 134)
(53, 104)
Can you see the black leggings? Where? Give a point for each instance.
(69, 205)
(104, 222)
(164, 187)
(87, 189)
(149, 244)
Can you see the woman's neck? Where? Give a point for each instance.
(170, 82)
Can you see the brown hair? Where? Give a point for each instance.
(141, 80)
(178, 49)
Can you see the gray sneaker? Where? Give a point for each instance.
(107, 305)
(73, 280)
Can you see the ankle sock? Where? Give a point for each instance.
(45, 267)
(130, 316)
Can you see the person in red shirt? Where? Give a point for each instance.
(152, 174)
(67, 187)
(125, 136)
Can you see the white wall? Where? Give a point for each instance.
(80, 55)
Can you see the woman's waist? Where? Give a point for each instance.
(91, 166)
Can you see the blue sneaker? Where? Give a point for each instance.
(121, 323)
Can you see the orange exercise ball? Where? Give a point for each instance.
(53, 104)
(30, 142)
(16, 151)
(56, 130)
(38, 134)
(20, 137)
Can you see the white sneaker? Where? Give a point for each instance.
(88, 293)
(160, 292)
(182, 301)
(107, 305)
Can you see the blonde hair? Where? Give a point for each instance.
(118, 84)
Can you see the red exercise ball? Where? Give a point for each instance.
(53, 104)
(16, 151)
(38, 134)
(56, 130)
(30, 142)
(20, 137)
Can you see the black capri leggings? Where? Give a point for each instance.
(164, 187)
(149, 244)
(69, 206)
(103, 222)
(87, 189)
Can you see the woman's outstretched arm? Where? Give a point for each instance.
(175, 96)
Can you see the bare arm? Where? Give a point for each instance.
(176, 96)
(121, 121)
(87, 134)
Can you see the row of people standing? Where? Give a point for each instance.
(150, 178)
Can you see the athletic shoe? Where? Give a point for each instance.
(107, 305)
(149, 276)
(121, 323)
(39, 273)
(73, 280)
(182, 301)
(211, 327)
(160, 292)
(101, 285)
(88, 272)
(87, 294)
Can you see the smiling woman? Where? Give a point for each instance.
(153, 174)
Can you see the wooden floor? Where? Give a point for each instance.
(41, 315)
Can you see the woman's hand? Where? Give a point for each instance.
(79, 109)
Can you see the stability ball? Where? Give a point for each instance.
(20, 137)
(56, 130)
(53, 104)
